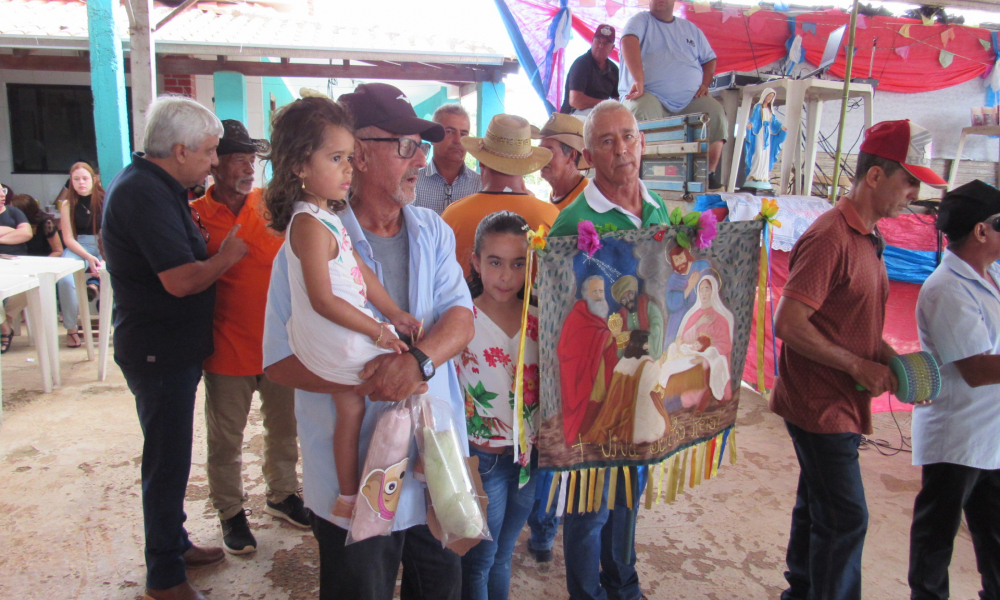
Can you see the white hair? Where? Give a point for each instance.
(605, 106)
(451, 108)
(174, 120)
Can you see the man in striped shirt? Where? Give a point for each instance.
(446, 179)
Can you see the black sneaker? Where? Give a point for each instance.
(236, 536)
(713, 182)
(291, 509)
(542, 556)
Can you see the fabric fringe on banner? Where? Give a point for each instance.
(582, 491)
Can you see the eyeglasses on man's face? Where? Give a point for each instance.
(406, 146)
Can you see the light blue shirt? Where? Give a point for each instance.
(958, 315)
(672, 56)
(435, 193)
(436, 285)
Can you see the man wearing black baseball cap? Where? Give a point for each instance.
(593, 76)
(830, 318)
(413, 253)
(955, 437)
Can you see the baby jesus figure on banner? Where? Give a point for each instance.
(765, 134)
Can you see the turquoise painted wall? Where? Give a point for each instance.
(489, 102)
(425, 109)
(107, 81)
(231, 96)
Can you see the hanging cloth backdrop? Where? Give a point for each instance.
(909, 57)
(632, 380)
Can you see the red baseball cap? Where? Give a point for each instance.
(605, 31)
(906, 143)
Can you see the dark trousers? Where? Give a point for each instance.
(947, 490)
(164, 400)
(367, 570)
(829, 520)
(599, 546)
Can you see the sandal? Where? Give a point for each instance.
(71, 338)
(5, 340)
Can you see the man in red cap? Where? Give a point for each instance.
(830, 320)
(593, 76)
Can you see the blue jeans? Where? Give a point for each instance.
(600, 547)
(66, 287)
(829, 520)
(486, 567)
(544, 525)
(164, 399)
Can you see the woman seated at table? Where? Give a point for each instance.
(45, 240)
(80, 207)
(14, 234)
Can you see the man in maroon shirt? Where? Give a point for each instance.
(830, 320)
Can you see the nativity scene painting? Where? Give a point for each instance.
(643, 344)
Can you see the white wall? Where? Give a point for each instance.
(43, 188)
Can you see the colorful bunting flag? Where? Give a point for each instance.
(928, 21)
(946, 58)
(810, 27)
(903, 52)
(702, 6)
(612, 7)
(946, 36)
(905, 31)
(986, 44)
(729, 13)
(753, 9)
(862, 22)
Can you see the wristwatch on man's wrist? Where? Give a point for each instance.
(424, 362)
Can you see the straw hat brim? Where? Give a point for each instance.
(534, 161)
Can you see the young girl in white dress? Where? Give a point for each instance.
(331, 329)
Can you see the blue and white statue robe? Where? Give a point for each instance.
(765, 135)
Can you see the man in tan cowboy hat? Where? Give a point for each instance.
(563, 135)
(505, 156)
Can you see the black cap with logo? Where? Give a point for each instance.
(385, 106)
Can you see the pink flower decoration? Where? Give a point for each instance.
(706, 230)
(588, 240)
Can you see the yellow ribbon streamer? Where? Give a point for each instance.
(628, 487)
(582, 501)
(732, 447)
(536, 242)
(612, 487)
(572, 492)
(761, 313)
(592, 478)
(552, 492)
(683, 474)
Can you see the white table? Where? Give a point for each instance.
(11, 285)
(795, 94)
(49, 270)
(967, 131)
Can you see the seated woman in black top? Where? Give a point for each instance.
(80, 221)
(14, 233)
(45, 240)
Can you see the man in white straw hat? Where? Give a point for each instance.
(563, 135)
(505, 156)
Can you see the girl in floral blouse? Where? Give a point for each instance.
(486, 372)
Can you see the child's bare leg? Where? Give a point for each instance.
(346, 436)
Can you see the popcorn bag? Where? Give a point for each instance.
(384, 471)
(457, 501)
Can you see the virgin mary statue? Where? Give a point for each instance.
(765, 135)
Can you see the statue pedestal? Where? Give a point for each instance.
(758, 188)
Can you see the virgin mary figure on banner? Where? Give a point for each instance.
(765, 134)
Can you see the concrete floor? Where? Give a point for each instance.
(72, 521)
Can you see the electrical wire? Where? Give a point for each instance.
(883, 447)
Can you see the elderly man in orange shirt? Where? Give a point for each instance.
(236, 371)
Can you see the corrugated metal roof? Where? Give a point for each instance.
(226, 28)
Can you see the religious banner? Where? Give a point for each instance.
(642, 339)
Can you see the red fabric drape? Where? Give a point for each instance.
(731, 35)
(901, 64)
(900, 328)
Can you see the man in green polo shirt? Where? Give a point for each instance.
(615, 196)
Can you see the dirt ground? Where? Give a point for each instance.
(71, 522)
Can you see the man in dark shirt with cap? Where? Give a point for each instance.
(593, 76)
(164, 287)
